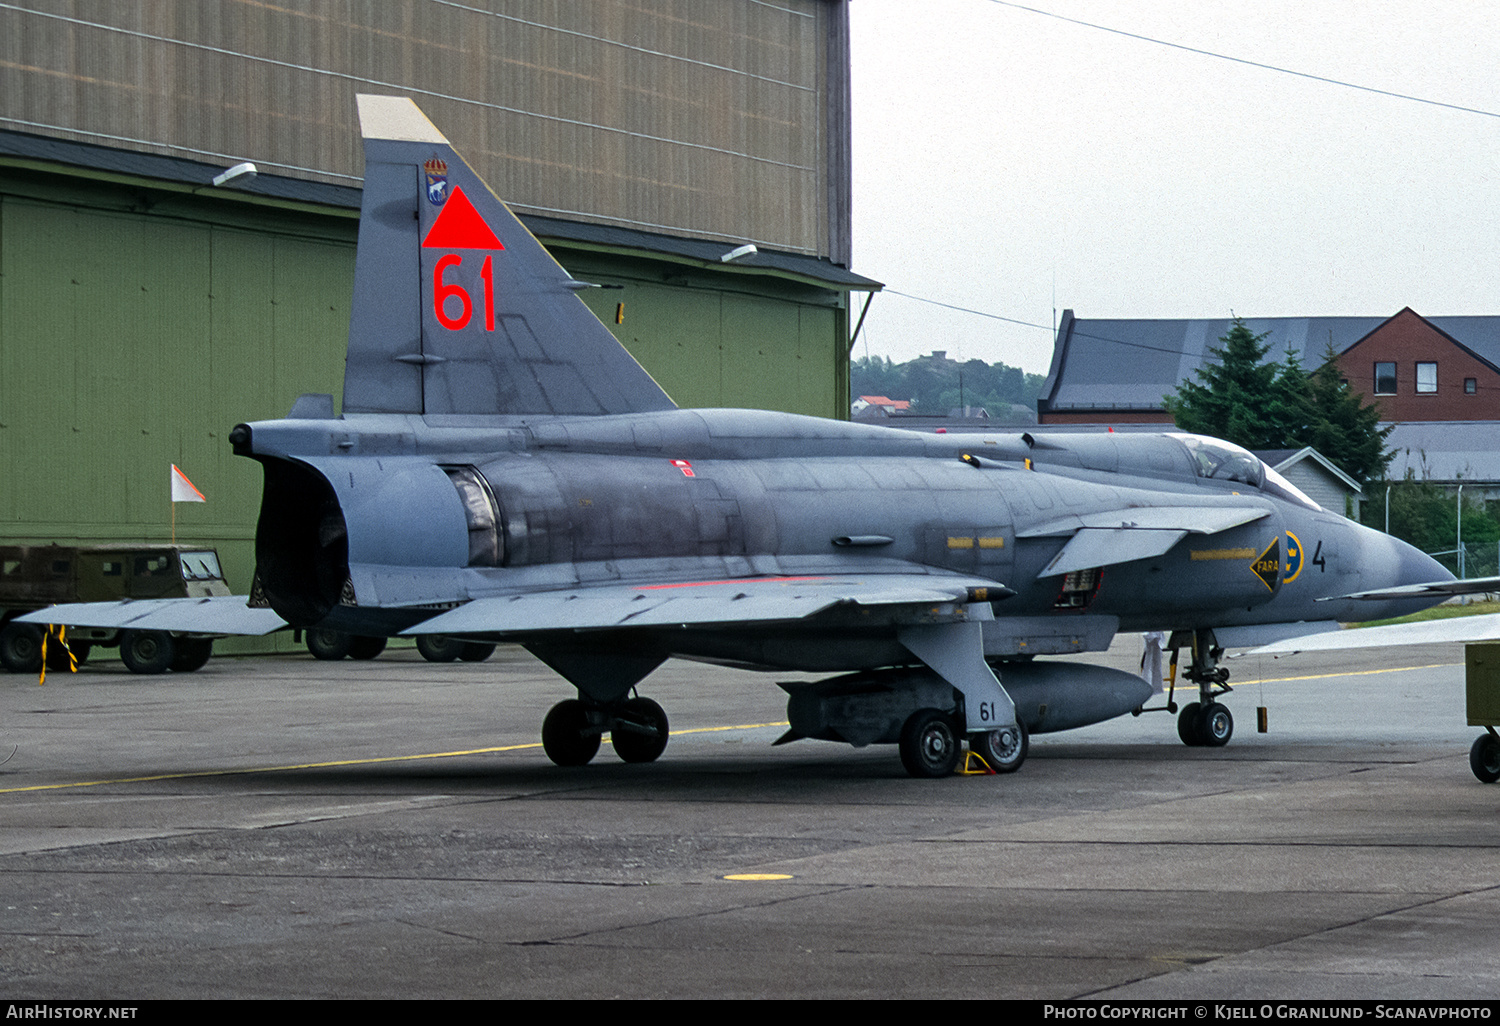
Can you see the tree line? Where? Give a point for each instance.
(935, 384)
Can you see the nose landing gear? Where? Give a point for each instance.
(1205, 723)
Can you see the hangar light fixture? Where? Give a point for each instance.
(240, 174)
(747, 250)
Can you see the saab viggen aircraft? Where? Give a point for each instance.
(504, 470)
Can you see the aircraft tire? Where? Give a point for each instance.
(929, 744)
(475, 651)
(147, 651)
(362, 647)
(192, 654)
(436, 648)
(21, 647)
(1189, 725)
(330, 645)
(1484, 758)
(566, 737)
(1003, 750)
(633, 747)
(1215, 725)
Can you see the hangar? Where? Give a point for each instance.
(144, 309)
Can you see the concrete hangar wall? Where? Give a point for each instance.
(144, 312)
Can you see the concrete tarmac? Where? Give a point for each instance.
(281, 827)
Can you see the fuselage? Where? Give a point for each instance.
(371, 521)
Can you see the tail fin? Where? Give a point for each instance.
(457, 307)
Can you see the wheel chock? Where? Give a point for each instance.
(975, 766)
(60, 634)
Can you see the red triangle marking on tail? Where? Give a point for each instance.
(460, 226)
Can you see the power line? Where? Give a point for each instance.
(1204, 355)
(1249, 63)
(1030, 324)
(965, 309)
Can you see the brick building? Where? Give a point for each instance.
(1416, 368)
(1435, 379)
(1416, 371)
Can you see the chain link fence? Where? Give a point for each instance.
(1471, 560)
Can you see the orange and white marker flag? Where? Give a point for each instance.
(182, 488)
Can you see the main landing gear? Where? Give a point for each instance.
(931, 740)
(1205, 723)
(931, 745)
(1004, 749)
(572, 731)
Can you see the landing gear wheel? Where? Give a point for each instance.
(147, 651)
(566, 735)
(21, 647)
(330, 645)
(1188, 725)
(1004, 749)
(1215, 725)
(192, 653)
(929, 744)
(436, 648)
(361, 647)
(1484, 758)
(475, 652)
(634, 746)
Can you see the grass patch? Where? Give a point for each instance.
(1444, 612)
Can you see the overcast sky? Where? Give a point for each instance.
(1003, 158)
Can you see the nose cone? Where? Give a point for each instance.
(1391, 563)
(1415, 566)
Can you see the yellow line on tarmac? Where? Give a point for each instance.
(739, 726)
(534, 744)
(269, 769)
(340, 762)
(1345, 673)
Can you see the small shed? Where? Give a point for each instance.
(1318, 478)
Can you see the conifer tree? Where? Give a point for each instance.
(1347, 429)
(1230, 399)
(1291, 407)
(1281, 406)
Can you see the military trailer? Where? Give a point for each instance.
(33, 577)
(1482, 690)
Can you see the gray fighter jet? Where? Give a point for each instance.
(504, 470)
